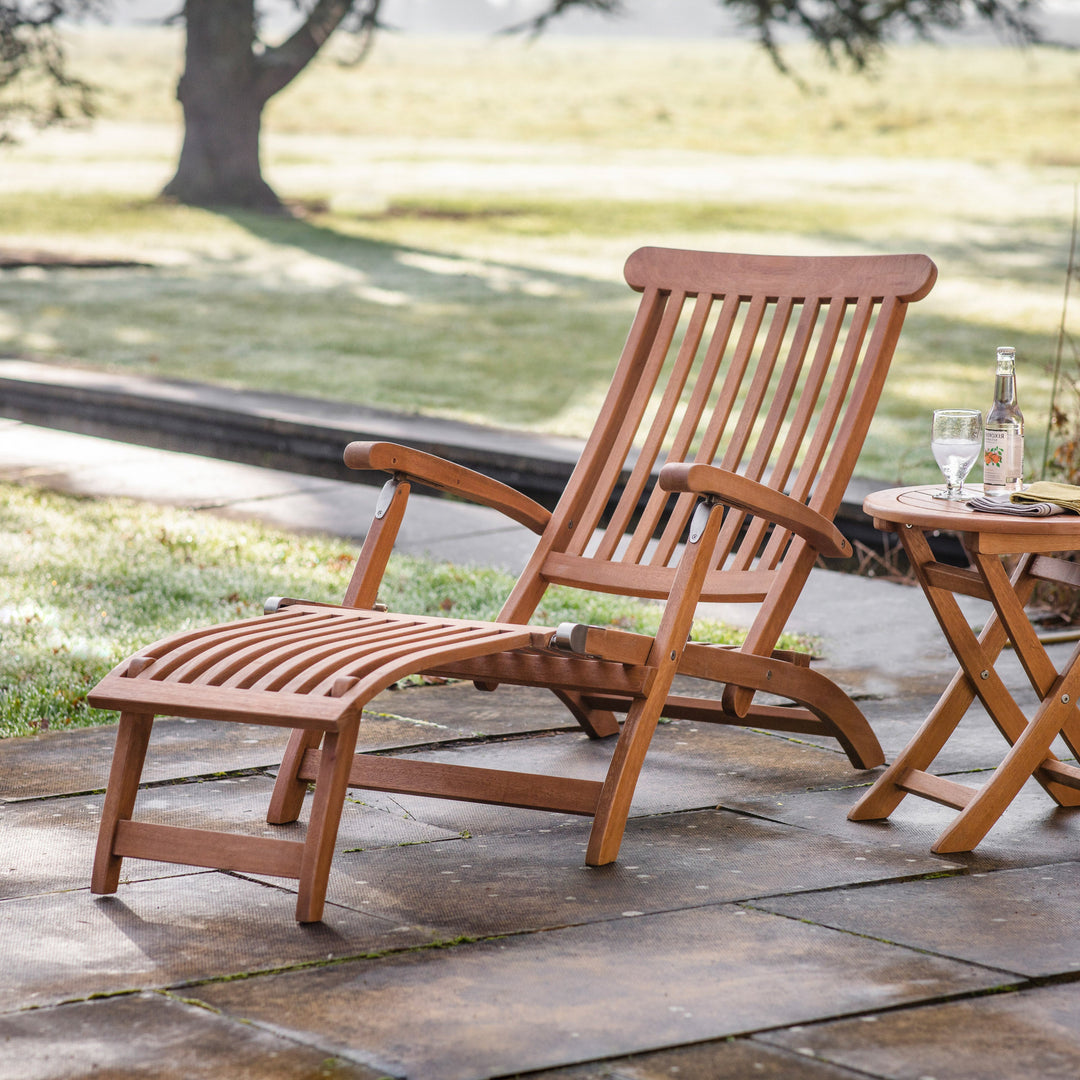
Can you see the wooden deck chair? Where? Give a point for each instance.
(731, 428)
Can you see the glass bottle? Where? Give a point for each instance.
(1003, 432)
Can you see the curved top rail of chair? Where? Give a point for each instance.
(908, 277)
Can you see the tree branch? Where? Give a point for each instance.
(535, 26)
(35, 83)
(280, 65)
(858, 30)
(853, 30)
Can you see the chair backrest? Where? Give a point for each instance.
(770, 366)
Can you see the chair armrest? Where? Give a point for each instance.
(742, 493)
(443, 475)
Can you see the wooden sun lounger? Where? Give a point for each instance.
(730, 430)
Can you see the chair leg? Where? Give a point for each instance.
(287, 800)
(124, 776)
(331, 785)
(613, 809)
(596, 723)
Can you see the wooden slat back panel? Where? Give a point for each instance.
(622, 437)
(769, 366)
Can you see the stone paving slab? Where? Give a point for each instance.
(1032, 830)
(1023, 921)
(48, 845)
(167, 932)
(465, 712)
(71, 762)
(731, 1059)
(1034, 1033)
(542, 1000)
(154, 1035)
(499, 884)
(669, 987)
(66, 762)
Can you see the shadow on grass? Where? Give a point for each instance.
(429, 330)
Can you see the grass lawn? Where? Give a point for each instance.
(462, 250)
(85, 583)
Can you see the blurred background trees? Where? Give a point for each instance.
(231, 70)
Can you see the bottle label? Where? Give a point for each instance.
(1003, 457)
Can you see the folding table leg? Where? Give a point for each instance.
(1040, 669)
(1029, 751)
(980, 807)
(886, 794)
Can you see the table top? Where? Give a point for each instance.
(1002, 533)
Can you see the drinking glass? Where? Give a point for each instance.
(956, 439)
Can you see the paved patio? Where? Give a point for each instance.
(747, 929)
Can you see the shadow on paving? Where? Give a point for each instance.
(747, 929)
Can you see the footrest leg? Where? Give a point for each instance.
(287, 800)
(129, 754)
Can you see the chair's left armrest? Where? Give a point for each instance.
(755, 498)
(443, 475)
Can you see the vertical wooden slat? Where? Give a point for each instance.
(718, 422)
(684, 438)
(821, 375)
(774, 423)
(771, 618)
(654, 440)
(824, 372)
(851, 431)
(562, 529)
(838, 404)
(744, 427)
(621, 444)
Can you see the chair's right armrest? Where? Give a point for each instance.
(436, 472)
(742, 493)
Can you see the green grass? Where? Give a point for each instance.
(423, 307)
(86, 583)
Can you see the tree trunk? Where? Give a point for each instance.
(222, 99)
